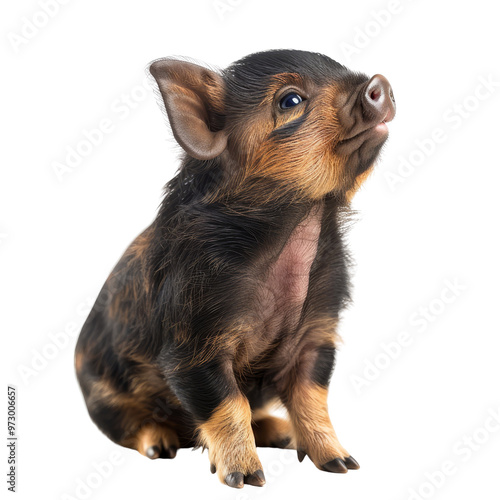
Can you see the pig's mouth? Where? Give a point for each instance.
(374, 136)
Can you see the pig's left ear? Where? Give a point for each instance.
(194, 101)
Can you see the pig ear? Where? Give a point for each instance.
(194, 98)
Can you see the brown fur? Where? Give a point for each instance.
(229, 438)
(271, 431)
(150, 437)
(313, 429)
(230, 300)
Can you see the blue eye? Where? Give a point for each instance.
(290, 100)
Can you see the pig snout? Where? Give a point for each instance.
(377, 100)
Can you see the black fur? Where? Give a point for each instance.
(165, 319)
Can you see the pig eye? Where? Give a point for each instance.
(290, 100)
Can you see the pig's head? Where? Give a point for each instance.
(296, 119)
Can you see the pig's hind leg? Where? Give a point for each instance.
(138, 412)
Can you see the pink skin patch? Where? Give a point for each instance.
(285, 289)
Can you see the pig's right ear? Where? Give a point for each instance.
(194, 101)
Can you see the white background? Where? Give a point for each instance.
(60, 237)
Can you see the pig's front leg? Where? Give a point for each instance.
(224, 419)
(304, 392)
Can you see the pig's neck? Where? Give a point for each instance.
(286, 284)
(291, 269)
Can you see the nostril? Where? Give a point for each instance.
(375, 94)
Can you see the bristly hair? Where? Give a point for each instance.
(252, 73)
(197, 291)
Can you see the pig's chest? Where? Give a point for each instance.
(283, 290)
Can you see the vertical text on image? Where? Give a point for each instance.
(11, 438)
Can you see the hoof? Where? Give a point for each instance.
(238, 479)
(170, 452)
(336, 465)
(351, 464)
(255, 479)
(281, 443)
(235, 480)
(153, 452)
